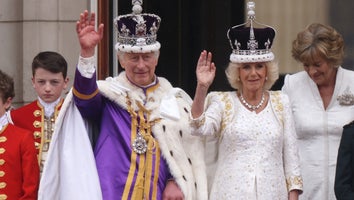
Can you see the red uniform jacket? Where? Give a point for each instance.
(19, 170)
(31, 117)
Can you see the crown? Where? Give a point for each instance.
(251, 44)
(137, 32)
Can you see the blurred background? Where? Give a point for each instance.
(187, 27)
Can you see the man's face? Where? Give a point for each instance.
(140, 67)
(49, 86)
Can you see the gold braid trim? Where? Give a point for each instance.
(84, 96)
(142, 125)
(133, 156)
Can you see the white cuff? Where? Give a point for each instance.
(86, 66)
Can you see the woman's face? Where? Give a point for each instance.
(320, 71)
(253, 76)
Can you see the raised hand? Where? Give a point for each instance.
(205, 69)
(205, 75)
(86, 33)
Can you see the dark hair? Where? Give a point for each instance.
(51, 61)
(6, 86)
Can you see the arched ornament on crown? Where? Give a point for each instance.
(137, 32)
(250, 44)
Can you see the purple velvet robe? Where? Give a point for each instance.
(113, 151)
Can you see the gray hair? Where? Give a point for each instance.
(121, 54)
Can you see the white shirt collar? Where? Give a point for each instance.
(3, 121)
(48, 107)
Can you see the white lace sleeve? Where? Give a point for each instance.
(86, 66)
(210, 122)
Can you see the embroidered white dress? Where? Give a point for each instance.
(319, 130)
(257, 153)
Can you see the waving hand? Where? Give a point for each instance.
(205, 69)
(87, 34)
(205, 75)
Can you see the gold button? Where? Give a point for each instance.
(2, 185)
(2, 150)
(3, 196)
(3, 139)
(2, 161)
(2, 173)
(37, 113)
(37, 145)
(37, 124)
(37, 134)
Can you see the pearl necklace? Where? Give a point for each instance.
(252, 107)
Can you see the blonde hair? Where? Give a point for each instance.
(319, 40)
(233, 74)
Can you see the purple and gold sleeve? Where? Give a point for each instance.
(86, 96)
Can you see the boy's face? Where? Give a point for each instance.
(49, 86)
(4, 106)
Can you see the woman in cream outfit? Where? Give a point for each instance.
(322, 102)
(257, 152)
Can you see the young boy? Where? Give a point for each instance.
(49, 71)
(19, 171)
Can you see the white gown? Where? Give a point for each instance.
(257, 154)
(319, 130)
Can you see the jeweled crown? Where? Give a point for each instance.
(137, 32)
(250, 44)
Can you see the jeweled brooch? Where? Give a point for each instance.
(347, 98)
(139, 145)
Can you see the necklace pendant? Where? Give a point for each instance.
(252, 107)
(139, 145)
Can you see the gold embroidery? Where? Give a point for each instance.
(48, 132)
(294, 181)
(197, 123)
(2, 185)
(277, 104)
(227, 112)
(3, 139)
(48, 129)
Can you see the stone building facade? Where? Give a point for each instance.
(30, 26)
